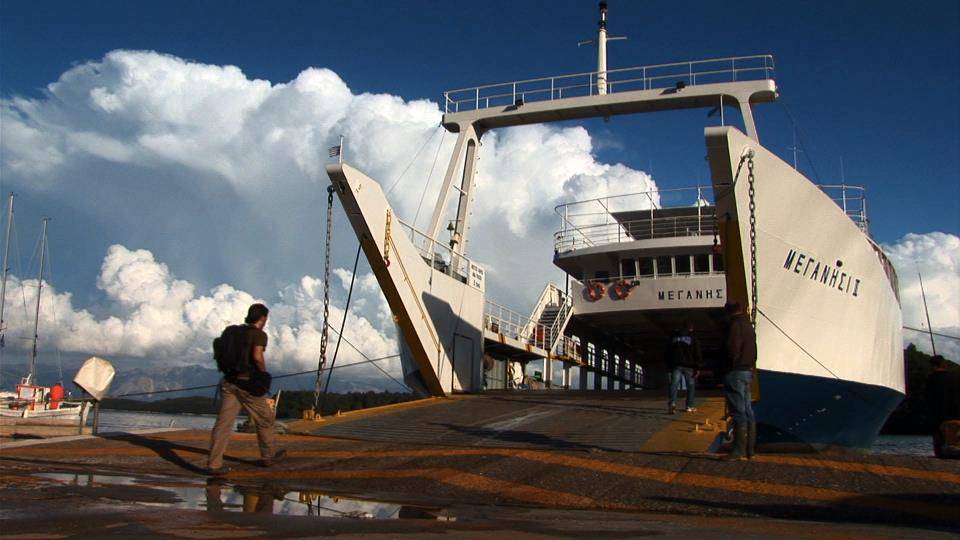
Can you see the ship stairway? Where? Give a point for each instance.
(513, 335)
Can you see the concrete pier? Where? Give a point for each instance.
(541, 464)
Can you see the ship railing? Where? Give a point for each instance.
(437, 254)
(569, 349)
(609, 280)
(852, 199)
(502, 320)
(594, 222)
(591, 83)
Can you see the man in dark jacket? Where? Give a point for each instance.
(741, 349)
(942, 398)
(685, 359)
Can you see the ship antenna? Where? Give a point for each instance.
(933, 345)
(601, 41)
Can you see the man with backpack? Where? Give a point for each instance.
(239, 355)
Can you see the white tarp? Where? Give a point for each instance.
(95, 376)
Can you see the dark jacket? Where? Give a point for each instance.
(741, 344)
(685, 351)
(942, 397)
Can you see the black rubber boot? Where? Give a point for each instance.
(739, 450)
(751, 440)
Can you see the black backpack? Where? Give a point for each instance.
(231, 350)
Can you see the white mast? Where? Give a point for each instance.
(602, 39)
(6, 267)
(36, 319)
(602, 51)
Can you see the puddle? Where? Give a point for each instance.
(216, 495)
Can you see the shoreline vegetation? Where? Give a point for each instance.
(909, 418)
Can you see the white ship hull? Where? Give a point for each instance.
(830, 350)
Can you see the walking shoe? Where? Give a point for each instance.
(278, 456)
(690, 409)
(672, 409)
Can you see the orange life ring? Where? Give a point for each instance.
(595, 291)
(621, 290)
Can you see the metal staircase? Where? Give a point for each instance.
(551, 313)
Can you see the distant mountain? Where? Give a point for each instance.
(137, 375)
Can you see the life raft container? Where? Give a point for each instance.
(595, 291)
(622, 289)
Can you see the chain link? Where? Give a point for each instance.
(753, 239)
(322, 363)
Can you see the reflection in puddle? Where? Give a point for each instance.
(216, 495)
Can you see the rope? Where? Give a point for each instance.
(800, 138)
(422, 146)
(938, 334)
(284, 376)
(343, 323)
(427, 183)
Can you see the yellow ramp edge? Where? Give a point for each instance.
(690, 431)
(307, 427)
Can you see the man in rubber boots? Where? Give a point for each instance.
(741, 349)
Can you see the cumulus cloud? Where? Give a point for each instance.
(204, 166)
(153, 315)
(935, 256)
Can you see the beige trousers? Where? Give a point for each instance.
(231, 399)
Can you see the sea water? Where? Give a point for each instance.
(110, 420)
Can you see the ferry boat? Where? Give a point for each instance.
(820, 292)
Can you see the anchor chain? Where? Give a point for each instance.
(322, 363)
(753, 239)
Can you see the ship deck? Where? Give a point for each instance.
(541, 464)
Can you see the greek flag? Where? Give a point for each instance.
(334, 151)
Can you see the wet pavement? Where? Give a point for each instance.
(153, 484)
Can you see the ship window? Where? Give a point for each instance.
(683, 264)
(645, 266)
(701, 263)
(717, 262)
(664, 266)
(628, 268)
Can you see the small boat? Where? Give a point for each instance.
(32, 409)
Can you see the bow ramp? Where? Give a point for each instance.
(436, 294)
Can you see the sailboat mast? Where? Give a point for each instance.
(36, 318)
(6, 267)
(933, 344)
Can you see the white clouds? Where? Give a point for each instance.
(154, 315)
(936, 256)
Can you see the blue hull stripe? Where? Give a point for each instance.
(818, 411)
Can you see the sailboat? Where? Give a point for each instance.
(32, 409)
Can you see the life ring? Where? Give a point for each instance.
(621, 290)
(595, 291)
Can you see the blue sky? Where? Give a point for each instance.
(874, 84)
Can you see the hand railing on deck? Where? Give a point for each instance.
(693, 73)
